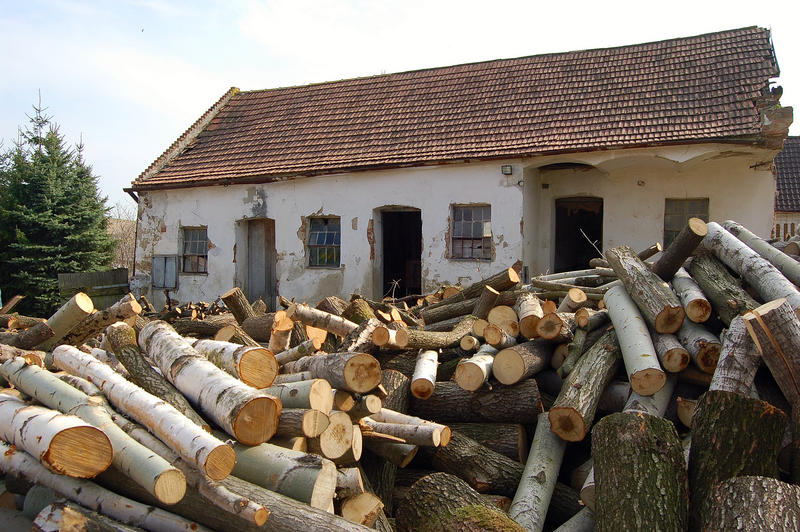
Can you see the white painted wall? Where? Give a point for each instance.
(632, 183)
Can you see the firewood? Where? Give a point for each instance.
(7, 352)
(556, 327)
(752, 503)
(280, 335)
(585, 323)
(562, 288)
(680, 249)
(358, 311)
(207, 327)
(572, 414)
(247, 414)
(498, 338)
(336, 439)
(15, 521)
(235, 334)
(259, 327)
(333, 305)
(503, 280)
(732, 436)
(685, 410)
(362, 508)
(789, 267)
(66, 318)
(724, 292)
(508, 439)
(18, 321)
(96, 323)
(193, 443)
(292, 377)
(29, 338)
(474, 372)
(469, 344)
(504, 317)
(356, 372)
(671, 354)
(574, 299)
(312, 393)
(738, 361)
(63, 515)
(299, 443)
(702, 346)
(111, 359)
(427, 435)
(638, 353)
(387, 415)
(529, 312)
(64, 443)
(560, 354)
(439, 340)
(519, 403)
(582, 521)
(360, 339)
(485, 302)
(348, 482)
(388, 338)
(322, 320)
(301, 422)
(309, 347)
(424, 378)
(237, 303)
(352, 455)
(538, 480)
(656, 301)
(400, 454)
(254, 366)
(697, 307)
(366, 405)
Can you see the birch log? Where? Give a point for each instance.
(702, 346)
(68, 316)
(697, 307)
(474, 372)
(498, 338)
(142, 465)
(521, 361)
(757, 271)
(638, 353)
(90, 495)
(310, 393)
(65, 516)
(64, 443)
(724, 291)
(424, 379)
(254, 366)
(529, 312)
(355, 372)
(789, 267)
(538, 481)
(388, 338)
(193, 443)
(671, 354)
(320, 319)
(427, 435)
(247, 414)
(738, 361)
(94, 324)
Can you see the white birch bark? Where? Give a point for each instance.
(247, 414)
(194, 444)
(473, 372)
(698, 309)
(255, 366)
(321, 319)
(424, 435)
(672, 355)
(309, 393)
(423, 380)
(738, 361)
(789, 267)
(702, 346)
(309, 347)
(529, 312)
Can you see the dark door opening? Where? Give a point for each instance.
(402, 252)
(261, 258)
(573, 250)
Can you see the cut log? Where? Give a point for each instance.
(355, 372)
(399, 454)
(332, 304)
(640, 472)
(582, 521)
(292, 377)
(348, 482)
(232, 333)
(680, 249)
(8, 352)
(572, 414)
(438, 340)
(64, 443)
(702, 346)
(519, 403)
(360, 339)
(521, 361)
(725, 293)
(469, 343)
(301, 422)
(254, 366)
(388, 338)
(427, 435)
(757, 271)
(313, 393)
(685, 410)
(336, 439)
(365, 406)
(455, 309)
(697, 307)
(671, 354)
(66, 318)
(362, 508)
(207, 327)
(441, 501)
(280, 336)
(320, 319)
(424, 378)
(529, 311)
(391, 416)
(473, 372)
(194, 444)
(94, 324)
(656, 301)
(738, 361)
(143, 466)
(498, 338)
(560, 354)
(247, 414)
(638, 353)
(538, 481)
(556, 327)
(732, 436)
(503, 280)
(62, 515)
(485, 302)
(508, 439)
(28, 338)
(585, 323)
(259, 327)
(504, 317)
(237, 303)
(309, 347)
(752, 503)
(478, 326)
(789, 267)
(574, 299)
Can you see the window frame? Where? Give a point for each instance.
(456, 232)
(335, 246)
(685, 214)
(184, 255)
(153, 269)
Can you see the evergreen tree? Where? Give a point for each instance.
(52, 217)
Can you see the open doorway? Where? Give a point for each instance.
(576, 217)
(401, 248)
(261, 262)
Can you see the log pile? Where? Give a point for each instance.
(628, 395)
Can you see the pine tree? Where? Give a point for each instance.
(52, 217)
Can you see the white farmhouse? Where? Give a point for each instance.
(402, 182)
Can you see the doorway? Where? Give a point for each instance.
(401, 238)
(261, 262)
(576, 217)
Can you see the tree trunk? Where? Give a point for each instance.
(529, 312)
(638, 353)
(66, 318)
(789, 267)
(64, 443)
(574, 299)
(732, 436)
(474, 372)
(301, 422)
(427, 435)
(702, 346)
(424, 378)
(498, 338)
(438, 340)
(572, 414)
(519, 403)
(194, 444)
(738, 362)
(485, 303)
(436, 313)
(582, 521)
(237, 303)
(757, 271)
(671, 354)
(355, 372)
(254, 366)
(680, 249)
(556, 327)
(358, 311)
(503, 280)
(207, 327)
(62, 515)
(640, 473)
(311, 393)
(280, 336)
(752, 503)
(309, 347)
(247, 414)
(697, 307)
(28, 338)
(388, 338)
(532, 497)
(332, 304)
(321, 320)
(96, 323)
(259, 327)
(725, 293)
(441, 501)
(586, 323)
(508, 439)
(235, 334)
(658, 305)
(522, 361)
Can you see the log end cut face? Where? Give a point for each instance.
(170, 486)
(670, 319)
(257, 420)
(675, 360)
(80, 452)
(324, 485)
(708, 356)
(648, 381)
(508, 366)
(567, 423)
(469, 376)
(220, 462)
(258, 368)
(362, 373)
(422, 388)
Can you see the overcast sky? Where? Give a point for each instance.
(129, 76)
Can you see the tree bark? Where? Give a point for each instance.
(582, 521)
(424, 378)
(235, 334)
(508, 439)
(309, 347)
(732, 436)
(738, 361)
(503, 280)
(640, 472)
(485, 302)
(519, 403)
(425, 435)
(658, 305)
(572, 414)
(680, 249)
(529, 312)
(207, 327)
(301, 422)
(697, 307)
(436, 314)
(752, 503)
(789, 267)
(96, 323)
(724, 292)
(259, 327)
(522, 361)
(311, 393)
(280, 336)
(355, 372)
(702, 346)
(641, 364)
(28, 338)
(66, 318)
(671, 354)
(399, 454)
(247, 414)
(556, 327)
(498, 338)
(254, 366)
(388, 338)
(238, 304)
(320, 319)
(474, 372)
(62, 515)
(574, 299)
(438, 340)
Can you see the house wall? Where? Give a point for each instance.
(786, 225)
(632, 183)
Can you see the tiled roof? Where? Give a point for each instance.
(682, 90)
(787, 166)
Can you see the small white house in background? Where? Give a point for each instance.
(787, 199)
(399, 183)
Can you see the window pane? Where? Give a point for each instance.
(467, 214)
(487, 229)
(338, 240)
(329, 238)
(457, 232)
(457, 214)
(158, 272)
(477, 229)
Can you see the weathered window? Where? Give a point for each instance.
(324, 242)
(195, 250)
(165, 271)
(678, 211)
(471, 232)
